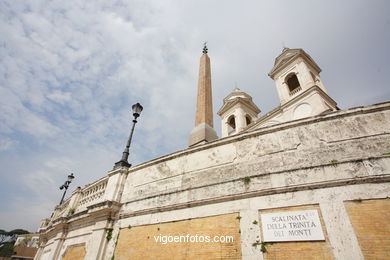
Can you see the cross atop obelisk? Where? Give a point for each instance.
(203, 131)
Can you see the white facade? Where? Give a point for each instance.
(324, 160)
(295, 155)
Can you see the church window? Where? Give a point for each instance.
(248, 120)
(231, 124)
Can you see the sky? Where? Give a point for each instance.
(71, 70)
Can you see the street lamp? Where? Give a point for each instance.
(66, 185)
(137, 109)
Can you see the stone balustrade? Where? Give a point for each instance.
(92, 194)
(296, 90)
(78, 202)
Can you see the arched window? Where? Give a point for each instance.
(248, 120)
(231, 124)
(292, 82)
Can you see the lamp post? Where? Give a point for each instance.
(66, 185)
(137, 109)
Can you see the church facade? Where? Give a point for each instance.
(303, 181)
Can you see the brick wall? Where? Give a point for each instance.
(24, 251)
(302, 250)
(139, 242)
(74, 253)
(371, 222)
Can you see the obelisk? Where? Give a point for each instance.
(203, 131)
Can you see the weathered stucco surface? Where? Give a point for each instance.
(324, 161)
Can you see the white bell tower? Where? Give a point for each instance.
(237, 112)
(294, 72)
(299, 86)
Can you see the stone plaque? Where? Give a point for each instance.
(303, 225)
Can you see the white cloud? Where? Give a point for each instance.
(7, 144)
(59, 96)
(70, 71)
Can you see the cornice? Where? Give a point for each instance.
(291, 102)
(301, 53)
(246, 102)
(101, 209)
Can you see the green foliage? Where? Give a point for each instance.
(117, 238)
(256, 243)
(18, 232)
(333, 161)
(247, 180)
(7, 240)
(7, 249)
(255, 222)
(109, 234)
(387, 153)
(238, 217)
(129, 227)
(263, 246)
(6, 237)
(3, 236)
(71, 212)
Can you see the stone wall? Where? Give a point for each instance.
(337, 164)
(325, 150)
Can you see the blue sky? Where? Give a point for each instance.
(70, 71)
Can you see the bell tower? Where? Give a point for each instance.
(237, 112)
(203, 131)
(294, 72)
(299, 86)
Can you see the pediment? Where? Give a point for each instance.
(288, 55)
(228, 104)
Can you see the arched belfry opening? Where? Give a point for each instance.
(248, 120)
(231, 124)
(292, 82)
